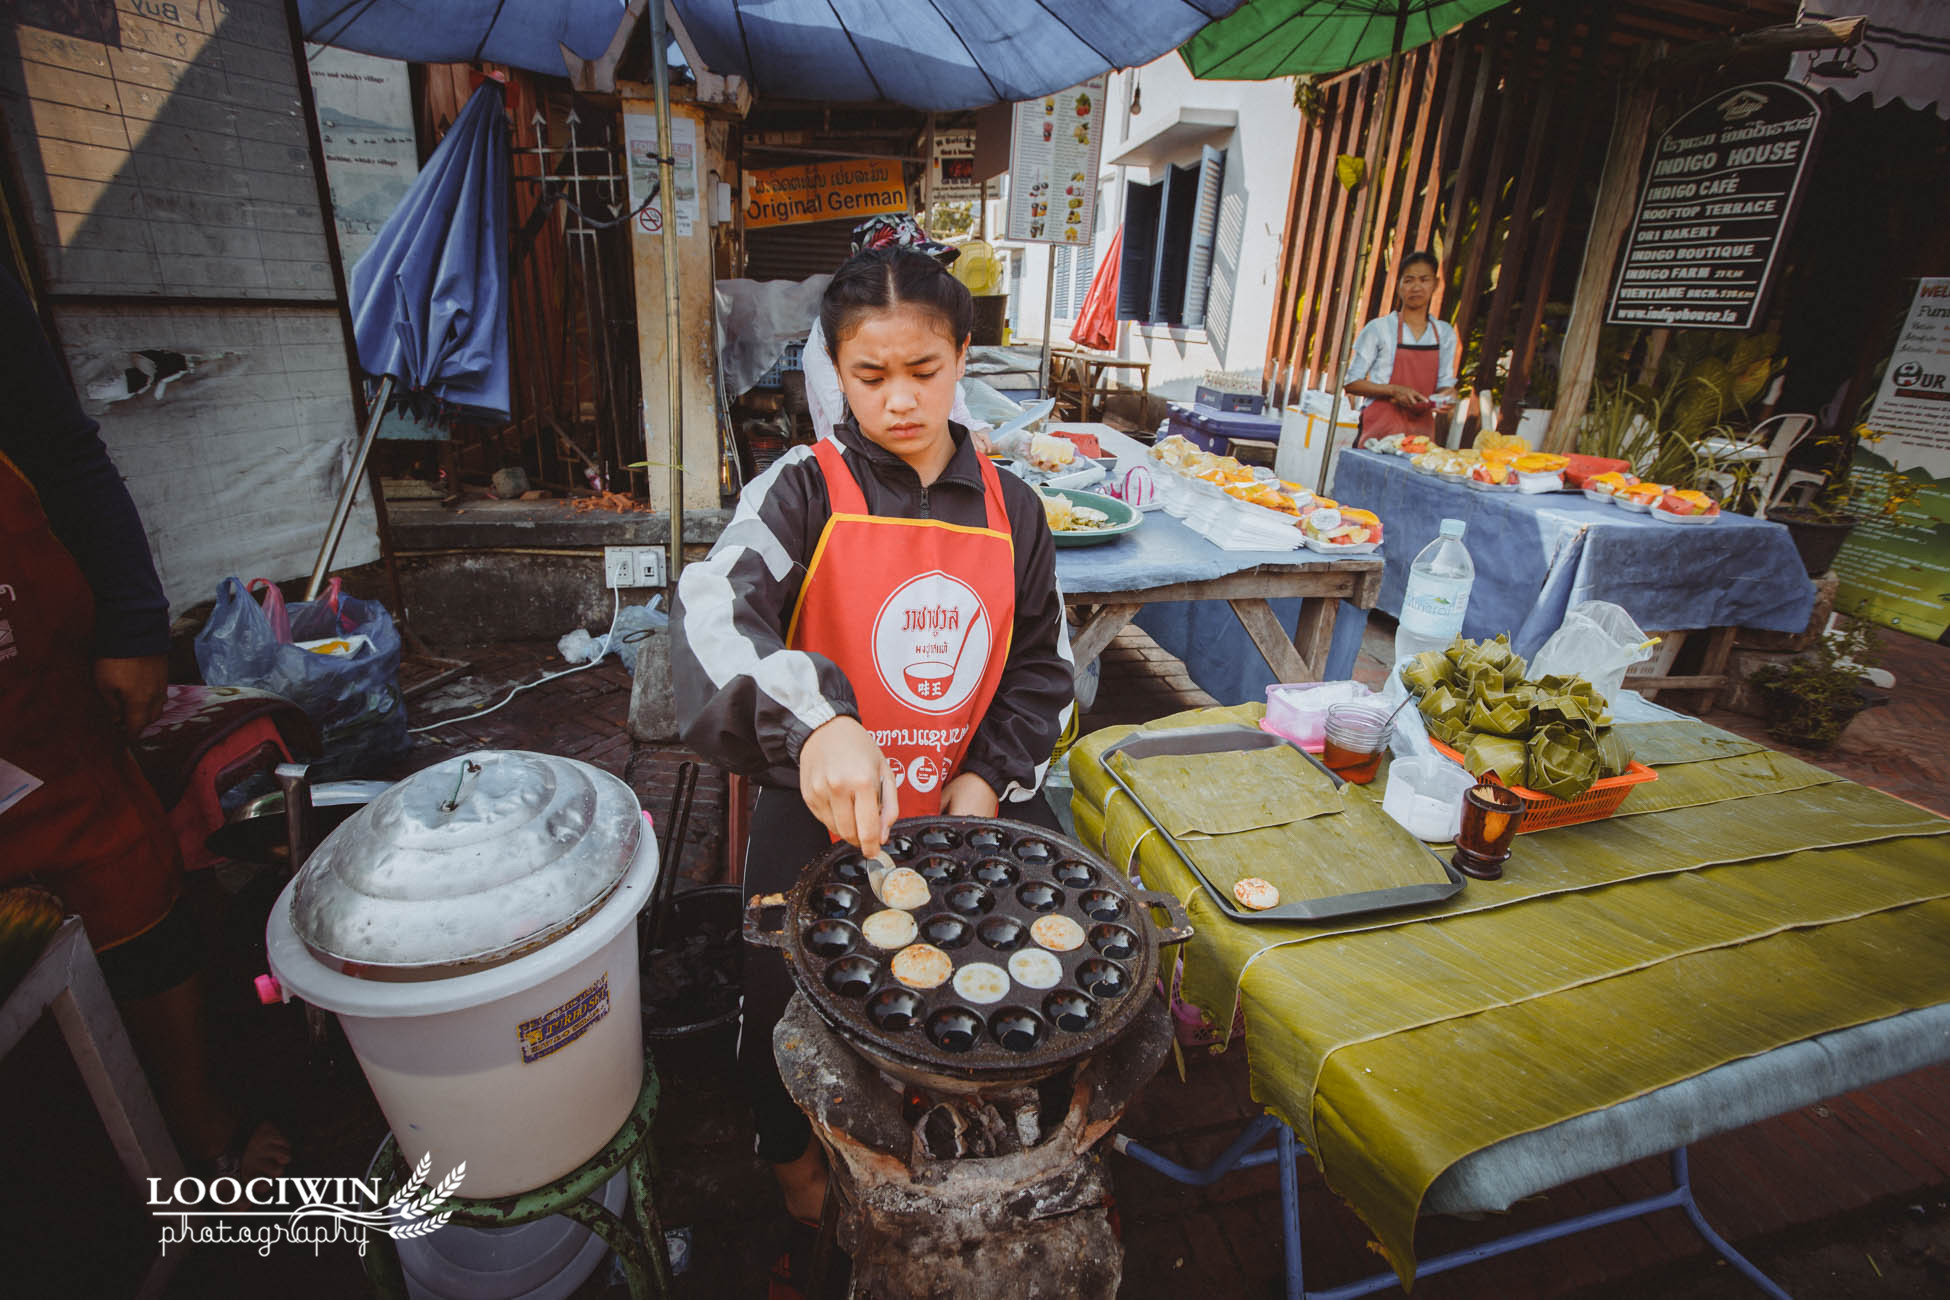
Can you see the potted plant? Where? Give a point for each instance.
(1819, 528)
(1810, 700)
(1822, 525)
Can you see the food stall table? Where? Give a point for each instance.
(1537, 555)
(1282, 622)
(1747, 935)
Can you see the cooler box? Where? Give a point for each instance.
(1219, 400)
(1212, 428)
(1303, 444)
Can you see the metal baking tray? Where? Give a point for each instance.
(1213, 740)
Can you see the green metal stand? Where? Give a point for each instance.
(638, 1241)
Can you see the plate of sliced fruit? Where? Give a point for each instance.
(1685, 506)
(1603, 487)
(1340, 530)
(1639, 497)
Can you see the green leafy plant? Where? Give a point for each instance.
(1811, 700)
(1636, 425)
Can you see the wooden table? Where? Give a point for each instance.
(1301, 658)
(1093, 365)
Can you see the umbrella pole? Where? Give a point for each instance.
(1049, 308)
(1369, 215)
(350, 492)
(673, 324)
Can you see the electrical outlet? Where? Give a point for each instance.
(649, 566)
(633, 566)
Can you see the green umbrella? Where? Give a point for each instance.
(1284, 38)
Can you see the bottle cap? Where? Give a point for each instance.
(1452, 528)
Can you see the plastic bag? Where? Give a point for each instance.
(636, 624)
(1597, 641)
(354, 698)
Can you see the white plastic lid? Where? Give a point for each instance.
(1452, 528)
(467, 862)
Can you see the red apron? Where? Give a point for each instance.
(93, 832)
(918, 614)
(1416, 366)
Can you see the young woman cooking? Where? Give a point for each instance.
(877, 634)
(1404, 363)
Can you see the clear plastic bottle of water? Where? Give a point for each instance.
(1438, 594)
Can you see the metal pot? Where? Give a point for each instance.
(990, 881)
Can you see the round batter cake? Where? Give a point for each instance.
(923, 966)
(981, 981)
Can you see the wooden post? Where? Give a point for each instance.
(1611, 216)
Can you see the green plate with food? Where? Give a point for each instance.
(1078, 518)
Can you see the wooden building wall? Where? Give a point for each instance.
(1490, 161)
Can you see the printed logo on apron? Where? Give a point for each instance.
(931, 643)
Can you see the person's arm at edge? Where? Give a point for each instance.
(60, 452)
(743, 699)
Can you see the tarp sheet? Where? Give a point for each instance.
(1613, 958)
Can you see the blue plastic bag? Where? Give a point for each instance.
(354, 699)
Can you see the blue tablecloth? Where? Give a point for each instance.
(1536, 556)
(1206, 634)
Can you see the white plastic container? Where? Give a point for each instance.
(1297, 711)
(483, 961)
(1425, 796)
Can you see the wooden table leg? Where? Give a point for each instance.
(1263, 626)
(1102, 628)
(1719, 648)
(1314, 637)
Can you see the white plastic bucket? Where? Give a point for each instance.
(523, 1070)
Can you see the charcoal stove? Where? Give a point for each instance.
(962, 1135)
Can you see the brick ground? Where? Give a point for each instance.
(1851, 1198)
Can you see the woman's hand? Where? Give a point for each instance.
(847, 783)
(135, 690)
(969, 795)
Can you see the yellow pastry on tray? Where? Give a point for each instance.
(1541, 462)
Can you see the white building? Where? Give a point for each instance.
(1198, 174)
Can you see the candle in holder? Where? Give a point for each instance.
(1490, 817)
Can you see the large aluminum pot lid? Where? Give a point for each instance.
(472, 860)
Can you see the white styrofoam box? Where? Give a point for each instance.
(1303, 443)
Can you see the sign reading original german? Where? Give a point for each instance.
(1715, 209)
(786, 196)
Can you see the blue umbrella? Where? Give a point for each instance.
(429, 299)
(935, 56)
(525, 33)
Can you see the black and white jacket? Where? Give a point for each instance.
(747, 702)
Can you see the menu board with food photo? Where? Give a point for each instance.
(1055, 147)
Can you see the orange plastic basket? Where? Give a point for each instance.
(1543, 812)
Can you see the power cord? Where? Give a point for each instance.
(615, 611)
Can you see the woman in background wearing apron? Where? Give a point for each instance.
(877, 634)
(1404, 363)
